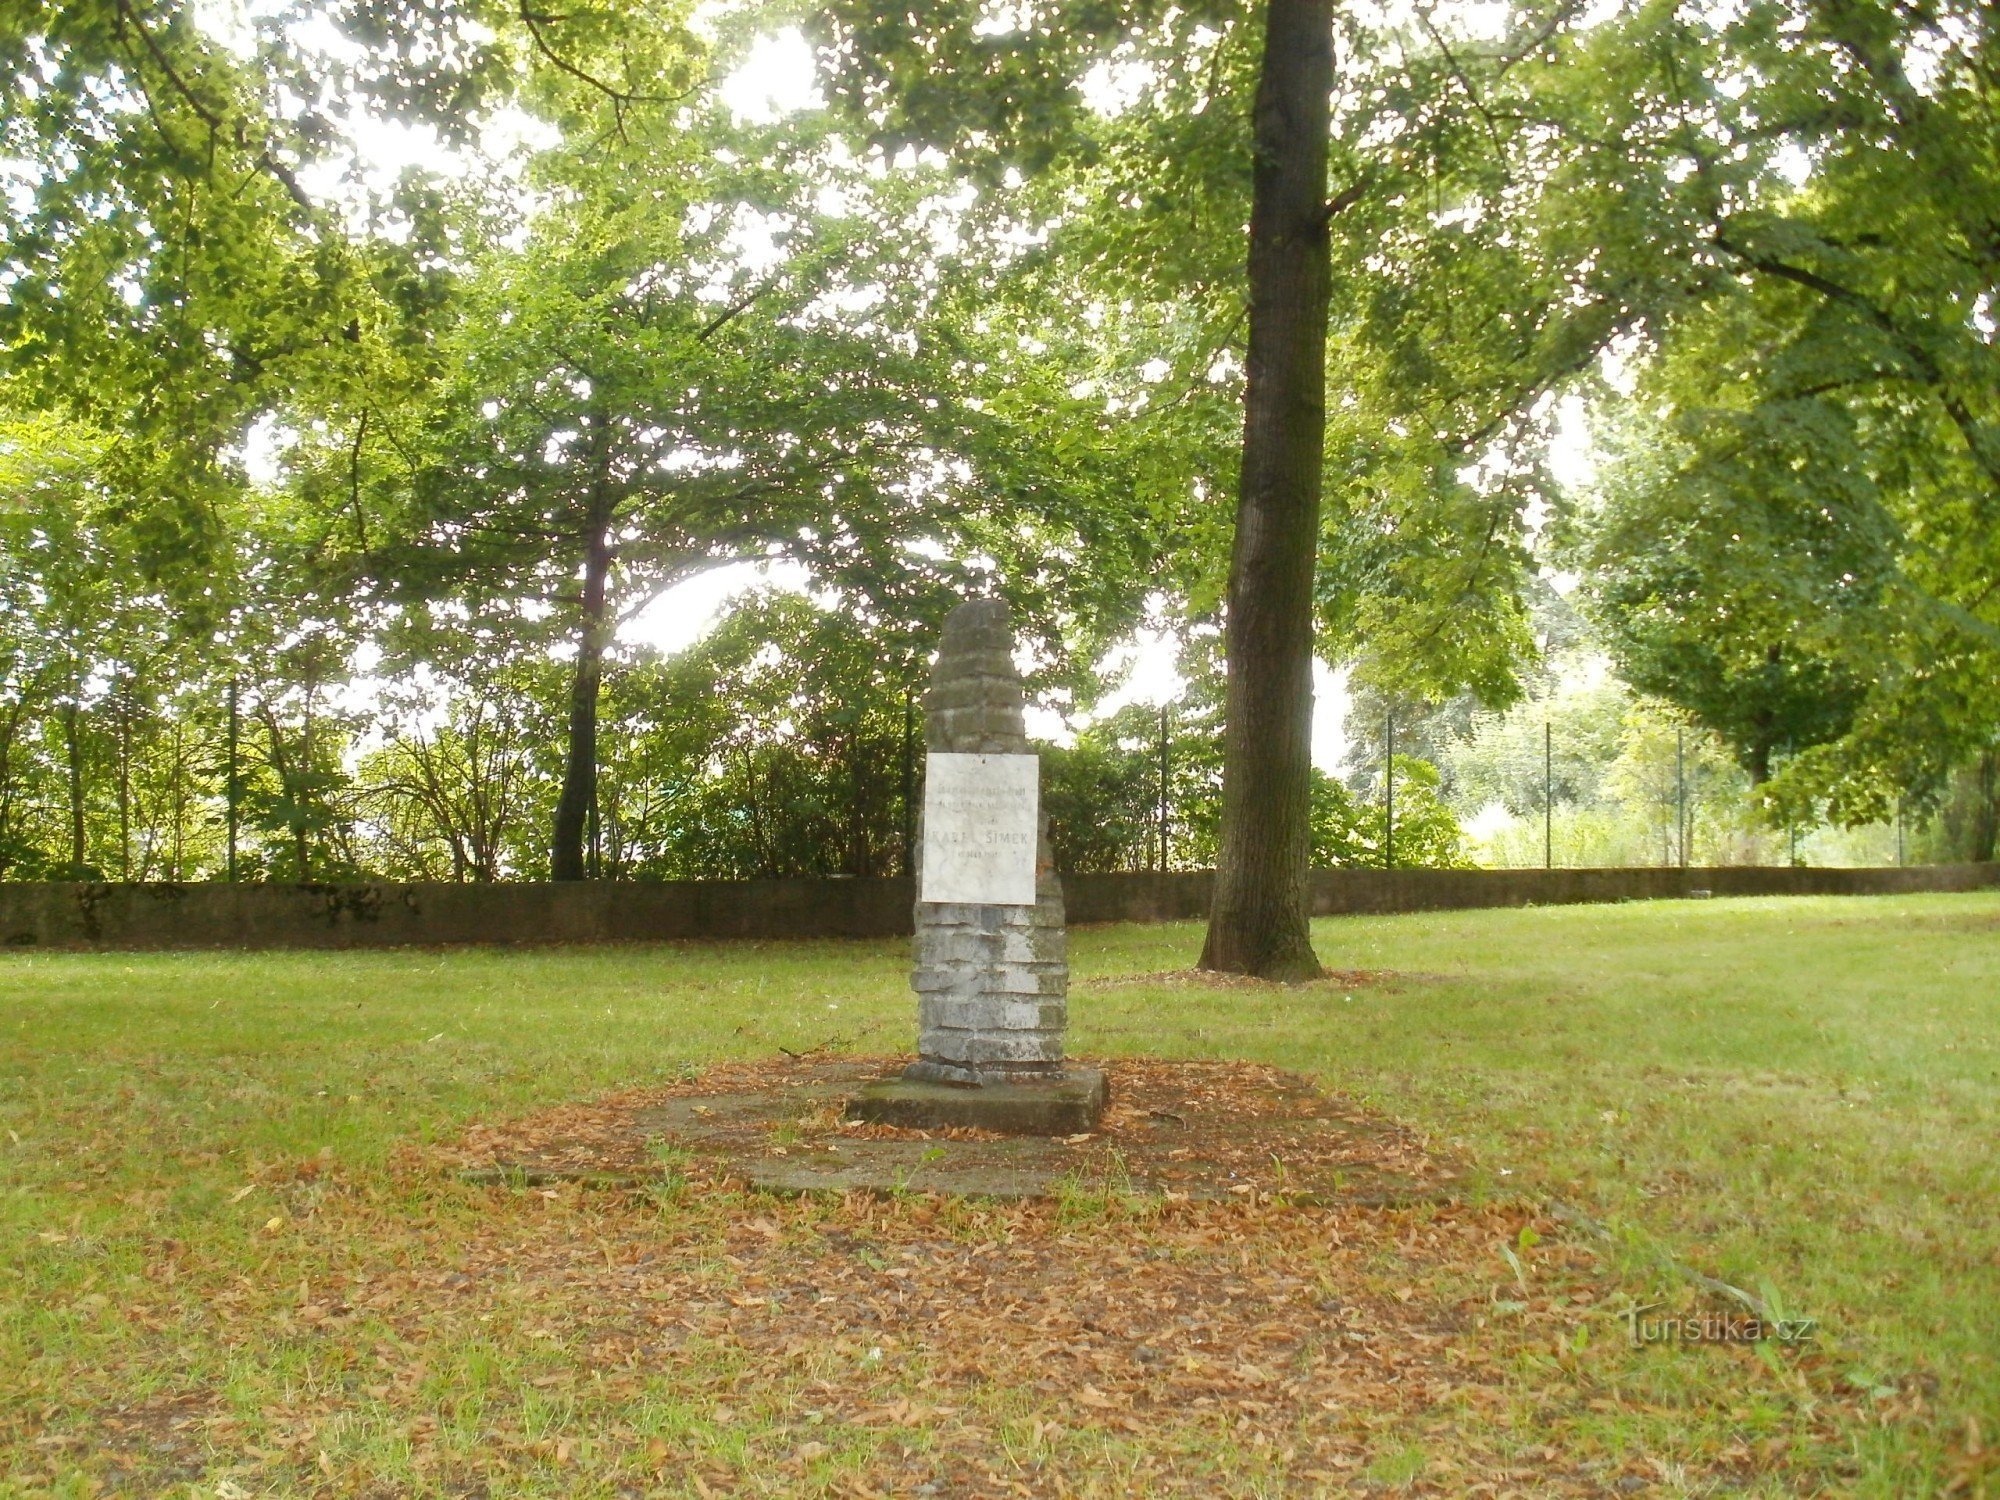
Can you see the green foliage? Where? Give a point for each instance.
(1440, 347)
(1012, 362)
(1618, 767)
(1104, 796)
(1420, 831)
(1796, 541)
(1103, 799)
(1556, 749)
(1103, 804)
(774, 747)
(461, 795)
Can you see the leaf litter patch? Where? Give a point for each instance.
(1165, 1342)
(1175, 1130)
(674, 1330)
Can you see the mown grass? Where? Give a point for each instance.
(1796, 1096)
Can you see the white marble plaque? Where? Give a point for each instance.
(980, 828)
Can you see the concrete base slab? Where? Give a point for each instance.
(1206, 1131)
(1068, 1103)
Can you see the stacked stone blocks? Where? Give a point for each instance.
(992, 981)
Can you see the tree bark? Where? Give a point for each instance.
(1986, 818)
(573, 809)
(73, 748)
(125, 780)
(9, 787)
(1257, 923)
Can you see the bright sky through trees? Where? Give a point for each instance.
(777, 77)
(1659, 339)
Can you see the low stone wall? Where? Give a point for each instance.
(1183, 896)
(386, 915)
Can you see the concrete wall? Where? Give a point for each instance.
(1184, 896)
(383, 915)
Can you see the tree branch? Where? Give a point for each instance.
(619, 98)
(1924, 364)
(735, 310)
(1348, 196)
(127, 14)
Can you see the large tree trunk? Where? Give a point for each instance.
(580, 759)
(1257, 924)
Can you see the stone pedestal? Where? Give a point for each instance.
(1066, 1103)
(992, 980)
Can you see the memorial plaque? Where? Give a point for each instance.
(980, 828)
(989, 959)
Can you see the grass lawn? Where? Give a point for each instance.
(1799, 1097)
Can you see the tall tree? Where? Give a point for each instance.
(1796, 538)
(1258, 924)
(1428, 244)
(629, 398)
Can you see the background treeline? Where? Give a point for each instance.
(780, 744)
(785, 743)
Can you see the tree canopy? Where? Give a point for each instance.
(329, 498)
(1797, 539)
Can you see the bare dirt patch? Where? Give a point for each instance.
(1173, 1129)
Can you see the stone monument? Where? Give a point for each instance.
(992, 967)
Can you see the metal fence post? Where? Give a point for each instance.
(1548, 796)
(1389, 793)
(233, 791)
(1681, 794)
